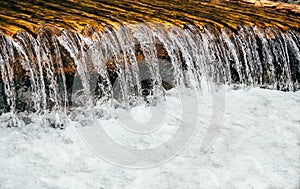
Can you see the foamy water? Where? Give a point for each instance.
(257, 146)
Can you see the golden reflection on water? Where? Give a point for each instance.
(76, 14)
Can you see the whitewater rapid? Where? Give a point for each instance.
(258, 146)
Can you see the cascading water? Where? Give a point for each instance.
(127, 65)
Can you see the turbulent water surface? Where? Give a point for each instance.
(257, 147)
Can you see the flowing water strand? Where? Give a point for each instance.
(75, 44)
(7, 73)
(28, 46)
(281, 59)
(164, 37)
(268, 75)
(150, 68)
(57, 59)
(131, 68)
(232, 57)
(104, 86)
(219, 57)
(179, 37)
(116, 62)
(294, 54)
(48, 69)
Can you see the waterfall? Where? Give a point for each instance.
(123, 66)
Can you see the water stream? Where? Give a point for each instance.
(123, 66)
